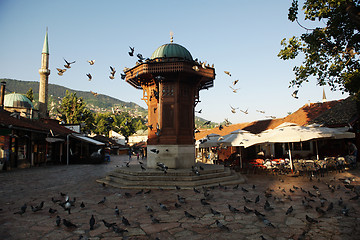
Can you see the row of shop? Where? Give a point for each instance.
(28, 142)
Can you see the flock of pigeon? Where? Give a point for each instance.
(313, 203)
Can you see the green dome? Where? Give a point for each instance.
(17, 100)
(171, 50)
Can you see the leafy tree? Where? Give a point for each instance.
(73, 111)
(30, 94)
(122, 123)
(331, 50)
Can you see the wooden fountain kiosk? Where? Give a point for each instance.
(171, 81)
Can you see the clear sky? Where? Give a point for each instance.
(240, 36)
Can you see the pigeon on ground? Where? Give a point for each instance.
(330, 207)
(247, 200)
(102, 201)
(188, 215)
(153, 219)
(22, 210)
(117, 211)
(58, 221)
(290, 210)
(108, 225)
(125, 221)
(68, 224)
(116, 229)
(163, 207)
(311, 220)
(52, 211)
(247, 210)
(232, 209)
(181, 199)
(82, 205)
(257, 199)
(221, 225)
(149, 209)
(204, 202)
(177, 205)
(214, 212)
(92, 222)
(268, 223)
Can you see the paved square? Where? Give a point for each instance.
(32, 186)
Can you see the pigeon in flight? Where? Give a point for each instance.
(260, 111)
(294, 94)
(246, 111)
(131, 53)
(61, 71)
(235, 82)
(67, 65)
(89, 76)
(94, 93)
(233, 110)
(234, 89)
(228, 73)
(91, 62)
(199, 111)
(113, 71)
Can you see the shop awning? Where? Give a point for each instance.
(88, 140)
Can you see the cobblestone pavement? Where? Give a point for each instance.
(31, 186)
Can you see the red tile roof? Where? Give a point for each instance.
(301, 117)
(43, 125)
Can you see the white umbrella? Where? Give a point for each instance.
(210, 140)
(239, 138)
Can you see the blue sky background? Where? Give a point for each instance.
(239, 36)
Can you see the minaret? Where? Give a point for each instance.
(44, 78)
(324, 96)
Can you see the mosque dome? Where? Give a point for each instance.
(171, 50)
(17, 100)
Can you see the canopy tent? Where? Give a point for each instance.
(239, 138)
(291, 132)
(210, 140)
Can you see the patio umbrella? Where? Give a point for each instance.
(210, 140)
(291, 132)
(239, 138)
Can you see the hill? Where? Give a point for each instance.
(100, 103)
